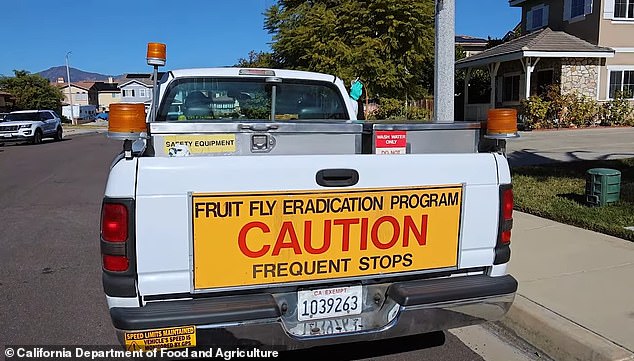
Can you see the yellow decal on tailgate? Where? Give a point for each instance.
(266, 238)
(165, 338)
(200, 144)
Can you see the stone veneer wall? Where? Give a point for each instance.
(580, 75)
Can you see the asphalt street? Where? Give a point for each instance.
(50, 278)
(538, 147)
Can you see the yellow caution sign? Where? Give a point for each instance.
(199, 144)
(279, 237)
(163, 338)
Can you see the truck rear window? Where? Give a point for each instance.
(208, 99)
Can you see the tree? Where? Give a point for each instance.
(387, 44)
(257, 60)
(32, 91)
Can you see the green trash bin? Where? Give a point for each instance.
(603, 186)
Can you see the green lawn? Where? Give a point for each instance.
(557, 191)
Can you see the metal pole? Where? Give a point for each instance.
(155, 96)
(70, 93)
(444, 61)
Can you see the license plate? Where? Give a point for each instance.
(329, 302)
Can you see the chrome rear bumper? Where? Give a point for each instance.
(391, 310)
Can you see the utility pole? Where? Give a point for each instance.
(70, 93)
(445, 59)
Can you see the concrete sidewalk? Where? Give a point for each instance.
(576, 290)
(88, 128)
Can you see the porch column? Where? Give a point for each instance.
(529, 67)
(467, 79)
(493, 73)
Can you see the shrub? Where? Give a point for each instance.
(418, 113)
(570, 109)
(583, 111)
(618, 111)
(534, 110)
(389, 108)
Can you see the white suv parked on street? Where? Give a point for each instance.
(30, 125)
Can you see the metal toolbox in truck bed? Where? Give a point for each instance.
(255, 138)
(390, 137)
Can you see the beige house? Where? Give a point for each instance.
(471, 45)
(584, 45)
(79, 90)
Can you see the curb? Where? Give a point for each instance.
(559, 337)
(83, 132)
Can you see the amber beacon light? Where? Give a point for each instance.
(156, 54)
(502, 123)
(127, 121)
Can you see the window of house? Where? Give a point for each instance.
(511, 88)
(577, 8)
(544, 79)
(621, 81)
(624, 9)
(142, 93)
(537, 17)
(128, 93)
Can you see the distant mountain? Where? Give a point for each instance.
(75, 75)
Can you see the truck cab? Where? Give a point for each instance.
(263, 213)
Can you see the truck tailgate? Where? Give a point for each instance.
(249, 218)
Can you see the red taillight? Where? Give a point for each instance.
(505, 237)
(114, 222)
(506, 209)
(115, 263)
(502, 248)
(507, 204)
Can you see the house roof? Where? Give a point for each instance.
(544, 43)
(466, 39)
(143, 78)
(106, 87)
(145, 82)
(80, 84)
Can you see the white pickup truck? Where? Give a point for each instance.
(263, 213)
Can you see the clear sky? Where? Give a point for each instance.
(110, 37)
